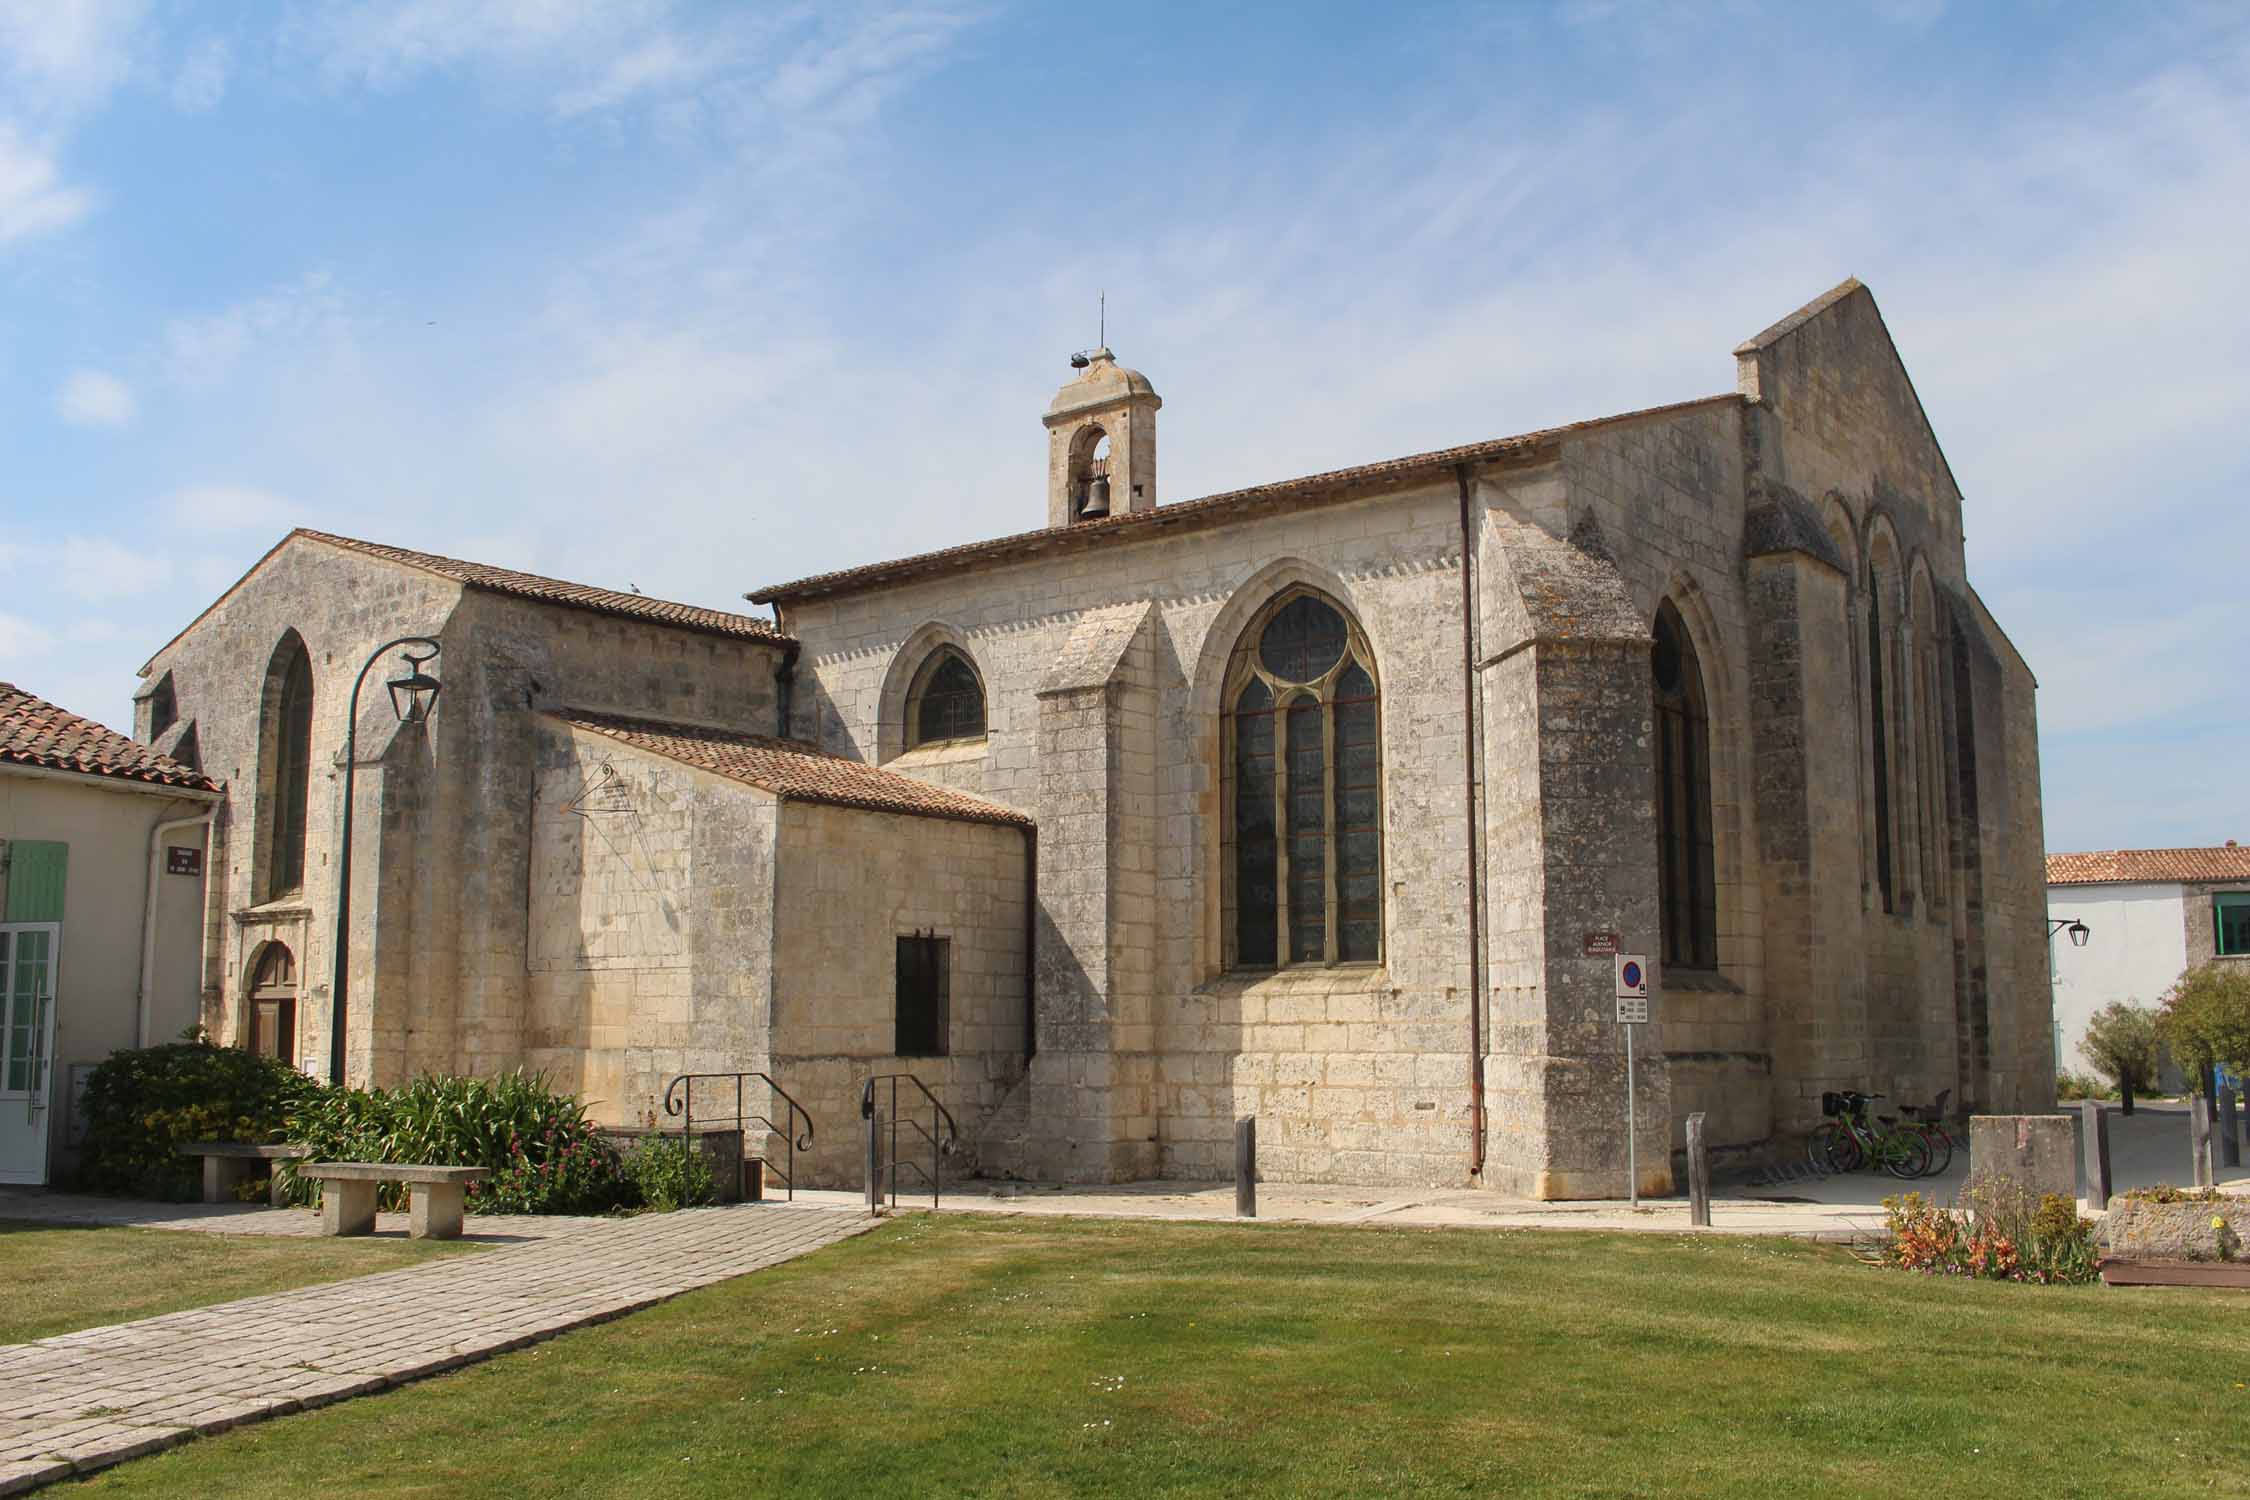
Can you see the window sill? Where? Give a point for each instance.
(1700, 981)
(942, 753)
(1302, 979)
(280, 909)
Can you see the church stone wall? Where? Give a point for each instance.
(848, 884)
(1356, 1074)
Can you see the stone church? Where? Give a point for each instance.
(1327, 801)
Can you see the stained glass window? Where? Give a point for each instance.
(949, 704)
(1305, 778)
(1687, 904)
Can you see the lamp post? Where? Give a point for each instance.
(413, 697)
(2079, 932)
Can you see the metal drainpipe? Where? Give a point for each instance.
(1472, 720)
(156, 838)
(1030, 944)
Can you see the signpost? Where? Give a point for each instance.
(1632, 1011)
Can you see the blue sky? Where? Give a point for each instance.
(696, 298)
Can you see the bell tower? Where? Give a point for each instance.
(1101, 442)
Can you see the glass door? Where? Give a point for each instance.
(28, 954)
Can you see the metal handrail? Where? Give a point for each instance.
(941, 1145)
(679, 1100)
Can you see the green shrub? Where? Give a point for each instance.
(668, 1174)
(143, 1104)
(2206, 1020)
(2071, 1087)
(544, 1155)
(2122, 1042)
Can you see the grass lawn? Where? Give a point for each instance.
(982, 1356)
(62, 1280)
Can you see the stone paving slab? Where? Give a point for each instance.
(81, 1401)
(36, 1205)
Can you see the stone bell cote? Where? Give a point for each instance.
(1101, 443)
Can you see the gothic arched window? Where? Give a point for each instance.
(1687, 899)
(946, 701)
(1304, 764)
(1878, 715)
(288, 734)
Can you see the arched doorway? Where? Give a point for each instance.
(273, 1003)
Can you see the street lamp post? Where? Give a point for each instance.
(2079, 932)
(413, 697)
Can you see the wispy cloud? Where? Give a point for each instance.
(201, 79)
(228, 507)
(95, 569)
(95, 398)
(34, 199)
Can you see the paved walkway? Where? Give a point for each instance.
(38, 1206)
(82, 1401)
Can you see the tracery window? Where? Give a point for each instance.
(1880, 731)
(1304, 783)
(946, 701)
(289, 728)
(1687, 900)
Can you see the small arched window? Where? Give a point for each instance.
(273, 1004)
(1304, 780)
(946, 701)
(289, 732)
(1089, 474)
(1687, 898)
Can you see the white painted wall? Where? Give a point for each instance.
(2137, 948)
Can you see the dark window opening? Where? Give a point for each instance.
(1305, 769)
(1881, 736)
(292, 779)
(1687, 896)
(925, 995)
(948, 703)
(163, 710)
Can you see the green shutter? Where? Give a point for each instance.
(36, 868)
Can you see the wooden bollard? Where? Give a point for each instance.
(1698, 1173)
(2199, 1138)
(1246, 1167)
(2096, 1141)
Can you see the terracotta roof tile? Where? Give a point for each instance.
(1335, 484)
(34, 732)
(555, 591)
(793, 770)
(2121, 866)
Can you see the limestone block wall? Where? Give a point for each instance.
(649, 952)
(1231, 1044)
(847, 885)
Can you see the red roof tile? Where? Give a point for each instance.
(794, 770)
(2121, 866)
(34, 732)
(1336, 484)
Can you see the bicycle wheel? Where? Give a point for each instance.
(1906, 1154)
(1941, 1147)
(1830, 1148)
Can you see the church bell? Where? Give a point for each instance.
(1097, 497)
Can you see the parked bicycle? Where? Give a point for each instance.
(1847, 1140)
(1930, 1121)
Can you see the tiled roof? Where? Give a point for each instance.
(1335, 485)
(2123, 866)
(794, 770)
(555, 591)
(34, 732)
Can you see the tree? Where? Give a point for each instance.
(2121, 1041)
(2206, 1020)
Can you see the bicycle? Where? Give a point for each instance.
(1844, 1141)
(1930, 1122)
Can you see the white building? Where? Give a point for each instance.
(2152, 915)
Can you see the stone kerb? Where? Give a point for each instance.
(2036, 1152)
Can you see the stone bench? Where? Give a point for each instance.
(347, 1196)
(229, 1164)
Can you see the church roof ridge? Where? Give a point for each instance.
(48, 737)
(1139, 523)
(515, 584)
(793, 770)
(1803, 315)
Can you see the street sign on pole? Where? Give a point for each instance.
(1632, 1011)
